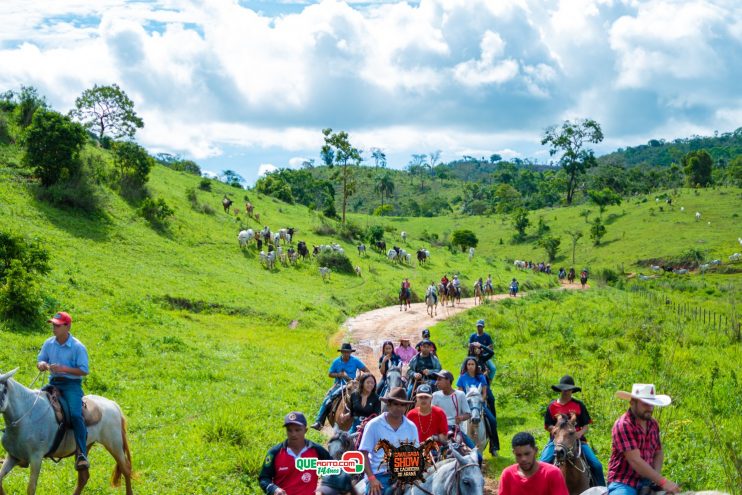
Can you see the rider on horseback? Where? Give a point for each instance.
(444, 282)
(406, 288)
(566, 405)
(432, 290)
(388, 358)
(486, 340)
(423, 367)
(426, 336)
(488, 283)
(342, 369)
(66, 358)
(456, 285)
(514, 288)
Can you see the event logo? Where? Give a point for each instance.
(351, 463)
(407, 463)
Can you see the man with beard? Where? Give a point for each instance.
(530, 476)
(636, 451)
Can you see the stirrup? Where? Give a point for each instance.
(82, 464)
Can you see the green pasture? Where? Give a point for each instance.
(205, 350)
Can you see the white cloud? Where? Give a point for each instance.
(265, 168)
(297, 161)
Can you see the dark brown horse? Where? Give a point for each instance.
(405, 298)
(568, 456)
(340, 408)
(453, 295)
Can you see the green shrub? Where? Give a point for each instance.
(5, 137)
(156, 212)
(383, 211)
(20, 297)
(351, 231)
(337, 262)
(324, 229)
(32, 257)
(374, 233)
(52, 147)
(225, 430)
(205, 184)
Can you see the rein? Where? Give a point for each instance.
(36, 400)
(571, 456)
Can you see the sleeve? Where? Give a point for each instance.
(43, 354)
(334, 367)
(482, 381)
(504, 487)
(368, 441)
(441, 421)
(557, 485)
(487, 353)
(463, 404)
(377, 406)
(584, 417)
(436, 364)
(460, 381)
(548, 419)
(471, 338)
(81, 359)
(267, 472)
(624, 441)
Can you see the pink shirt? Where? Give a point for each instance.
(406, 353)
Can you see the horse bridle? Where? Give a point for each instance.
(570, 456)
(457, 478)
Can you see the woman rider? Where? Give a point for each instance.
(471, 375)
(364, 402)
(388, 359)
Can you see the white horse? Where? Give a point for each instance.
(458, 476)
(392, 255)
(520, 264)
(431, 304)
(475, 426)
(31, 426)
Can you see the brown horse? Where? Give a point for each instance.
(340, 408)
(405, 299)
(453, 295)
(477, 294)
(568, 456)
(442, 294)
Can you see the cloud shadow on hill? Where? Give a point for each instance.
(96, 226)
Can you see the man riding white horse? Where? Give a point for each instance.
(66, 358)
(343, 369)
(432, 290)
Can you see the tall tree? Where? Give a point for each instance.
(346, 157)
(384, 186)
(379, 157)
(576, 235)
(570, 140)
(520, 222)
(417, 167)
(434, 156)
(698, 166)
(29, 101)
(107, 109)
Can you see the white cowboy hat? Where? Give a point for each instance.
(645, 393)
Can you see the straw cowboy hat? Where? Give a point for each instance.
(645, 393)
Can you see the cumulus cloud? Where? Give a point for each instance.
(265, 168)
(464, 76)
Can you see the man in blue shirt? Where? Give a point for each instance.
(67, 361)
(342, 369)
(484, 338)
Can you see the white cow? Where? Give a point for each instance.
(715, 262)
(680, 271)
(471, 253)
(245, 236)
(408, 257)
(704, 267)
(740, 240)
(392, 254)
(324, 272)
(358, 270)
(276, 239)
(520, 264)
(735, 257)
(404, 236)
(268, 259)
(698, 216)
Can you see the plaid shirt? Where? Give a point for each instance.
(628, 435)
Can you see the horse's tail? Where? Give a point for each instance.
(117, 471)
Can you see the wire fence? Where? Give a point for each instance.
(728, 323)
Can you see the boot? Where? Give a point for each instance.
(82, 463)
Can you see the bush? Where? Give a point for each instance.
(350, 231)
(383, 211)
(329, 210)
(324, 229)
(464, 239)
(337, 262)
(156, 212)
(20, 297)
(4, 131)
(374, 234)
(79, 192)
(32, 257)
(52, 147)
(205, 184)
(132, 162)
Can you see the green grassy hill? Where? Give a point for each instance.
(205, 350)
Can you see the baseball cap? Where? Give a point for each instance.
(480, 323)
(445, 374)
(295, 418)
(60, 318)
(424, 389)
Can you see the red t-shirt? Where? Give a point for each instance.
(434, 423)
(548, 480)
(290, 479)
(573, 406)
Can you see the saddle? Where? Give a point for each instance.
(91, 413)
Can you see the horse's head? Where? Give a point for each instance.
(565, 437)
(341, 442)
(468, 475)
(394, 377)
(4, 389)
(474, 399)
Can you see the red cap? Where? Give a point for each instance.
(61, 318)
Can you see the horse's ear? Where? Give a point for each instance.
(459, 458)
(9, 374)
(573, 417)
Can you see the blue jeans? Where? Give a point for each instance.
(331, 395)
(492, 370)
(72, 392)
(615, 488)
(494, 437)
(596, 468)
(383, 479)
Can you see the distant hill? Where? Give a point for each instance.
(658, 152)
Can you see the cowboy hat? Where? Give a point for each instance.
(566, 383)
(645, 393)
(397, 394)
(346, 347)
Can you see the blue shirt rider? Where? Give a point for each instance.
(342, 369)
(486, 340)
(66, 358)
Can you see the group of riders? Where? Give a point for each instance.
(453, 287)
(434, 403)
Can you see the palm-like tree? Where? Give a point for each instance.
(379, 157)
(384, 186)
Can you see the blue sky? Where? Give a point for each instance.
(249, 84)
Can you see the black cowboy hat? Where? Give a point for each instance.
(566, 383)
(397, 394)
(346, 347)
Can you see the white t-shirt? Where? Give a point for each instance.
(379, 429)
(454, 404)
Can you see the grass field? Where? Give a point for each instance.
(194, 339)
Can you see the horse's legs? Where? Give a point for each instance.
(8, 464)
(35, 467)
(82, 478)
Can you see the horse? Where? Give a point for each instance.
(226, 203)
(443, 296)
(459, 475)
(488, 291)
(602, 490)
(249, 208)
(475, 426)
(431, 304)
(31, 427)
(453, 294)
(568, 455)
(477, 294)
(571, 276)
(583, 278)
(393, 380)
(422, 256)
(405, 299)
(340, 416)
(361, 249)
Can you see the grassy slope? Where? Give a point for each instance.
(169, 369)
